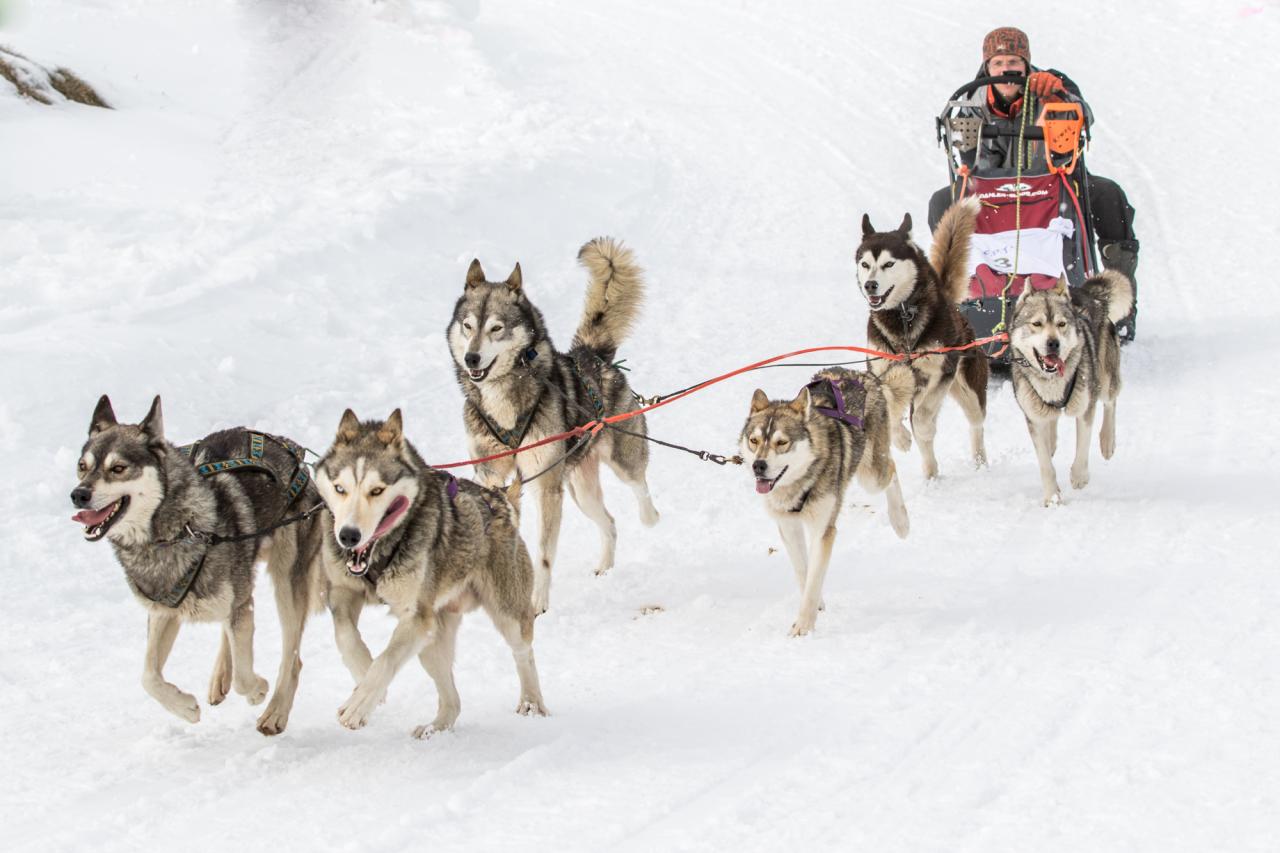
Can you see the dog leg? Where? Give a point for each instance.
(518, 632)
(345, 606)
(1107, 437)
(924, 424)
(819, 558)
(792, 532)
(584, 487)
(1042, 439)
(639, 487)
(1084, 431)
(162, 630)
(897, 506)
(220, 683)
(1053, 437)
(973, 403)
(437, 660)
(245, 681)
(550, 505)
(410, 635)
(292, 588)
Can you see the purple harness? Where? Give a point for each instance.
(839, 412)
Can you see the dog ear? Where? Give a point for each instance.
(867, 229)
(803, 403)
(392, 430)
(153, 424)
(1060, 288)
(905, 228)
(759, 401)
(348, 428)
(475, 273)
(515, 280)
(103, 416)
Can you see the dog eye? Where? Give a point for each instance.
(888, 264)
(82, 466)
(119, 469)
(495, 330)
(1037, 324)
(753, 441)
(782, 442)
(466, 327)
(339, 489)
(1062, 324)
(376, 490)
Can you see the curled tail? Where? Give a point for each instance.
(949, 255)
(1114, 290)
(615, 293)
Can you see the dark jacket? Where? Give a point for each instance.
(1000, 151)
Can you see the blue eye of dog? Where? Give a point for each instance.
(339, 489)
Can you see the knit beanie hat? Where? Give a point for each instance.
(1006, 41)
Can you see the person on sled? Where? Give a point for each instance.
(1007, 50)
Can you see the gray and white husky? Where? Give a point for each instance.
(149, 499)
(519, 388)
(433, 548)
(1066, 360)
(805, 453)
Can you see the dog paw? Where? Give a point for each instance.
(273, 720)
(531, 708)
(257, 691)
(219, 686)
(184, 705)
(649, 515)
(603, 569)
(1079, 478)
(802, 626)
(355, 713)
(541, 600)
(930, 470)
(432, 729)
(979, 461)
(1108, 446)
(1054, 499)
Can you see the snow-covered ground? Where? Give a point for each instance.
(273, 225)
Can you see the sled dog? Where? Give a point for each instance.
(1066, 360)
(430, 546)
(913, 303)
(804, 454)
(181, 522)
(519, 388)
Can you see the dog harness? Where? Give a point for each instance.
(840, 413)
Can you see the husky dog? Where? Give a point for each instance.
(1066, 359)
(433, 548)
(806, 451)
(186, 543)
(519, 389)
(913, 303)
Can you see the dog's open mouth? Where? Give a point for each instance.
(358, 559)
(764, 485)
(875, 300)
(98, 521)
(479, 375)
(1050, 364)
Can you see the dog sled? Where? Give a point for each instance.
(1035, 223)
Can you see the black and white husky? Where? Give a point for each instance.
(519, 388)
(163, 514)
(1066, 361)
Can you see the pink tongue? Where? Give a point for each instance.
(1053, 361)
(764, 486)
(397, 508)
(89, 517)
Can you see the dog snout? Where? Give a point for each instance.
(472, 360)
(871, 287)
(759, 467)
(1052, 345)
(349, 537)
(81, 496)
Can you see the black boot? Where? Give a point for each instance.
(1122, 256)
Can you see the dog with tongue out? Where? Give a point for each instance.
(1066, 359)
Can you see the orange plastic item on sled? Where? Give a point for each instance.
(1062, 123)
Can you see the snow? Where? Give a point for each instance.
(273, 225)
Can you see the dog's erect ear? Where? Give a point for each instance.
(153, 424)
(103, 416)
(348, 428)
(867, 229)
(905, 228)
(803, 403)
(475, 273)
(392, 430)
(759, 401)
(515, 280)
(1022, 297)
(1060, 288)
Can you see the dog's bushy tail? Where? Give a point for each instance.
(1114, 290)
(615, 293)
(898, 386)
(949, 254)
